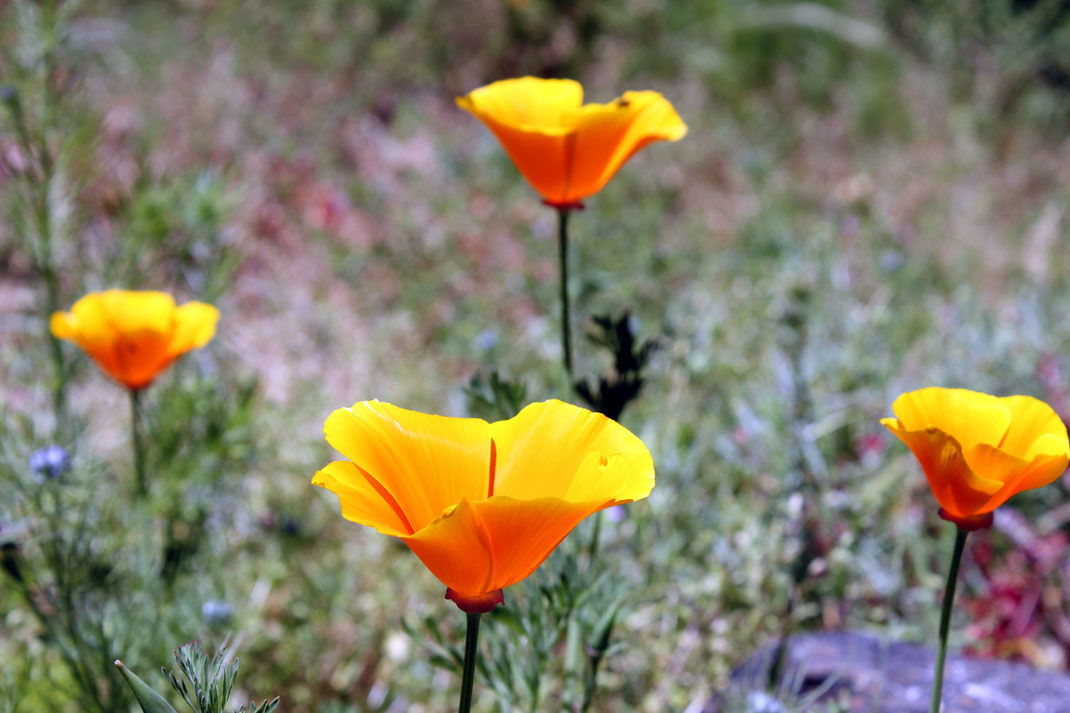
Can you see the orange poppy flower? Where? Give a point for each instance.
(568, 150)
(134, 335)
(979, 450)
(481, 504)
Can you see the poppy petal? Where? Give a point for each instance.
(958, 489)
(457, 549)
(363, 500)
(610, 134)
(970, 416)
(425, 462)
(132, 335)
(524, 533)
(132, 312)
(194, 326)
(592, 457)
(88, 325)
(566, 150)
(534, 119)
(1035, 428)
(530, 104)
(1042, 470)
(998, 467)
(126, 332)
(64, 325)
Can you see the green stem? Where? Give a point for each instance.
(596, 532)
(471, 651)
(136, 440)
(945, 619)
(566, 323)
(45, 225)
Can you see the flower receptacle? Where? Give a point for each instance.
(475, 603)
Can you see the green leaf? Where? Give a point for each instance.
(149, 700)
(603, 630)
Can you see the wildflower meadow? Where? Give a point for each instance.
(534, 355)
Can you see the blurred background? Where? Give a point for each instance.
(872, 197)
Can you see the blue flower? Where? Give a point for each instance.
(487, 339)
(49, 463)
(216, 612)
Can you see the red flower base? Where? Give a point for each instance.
(969, 524)
(567, 205)
(475, 603)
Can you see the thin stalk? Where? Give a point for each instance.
(45, 227)
(596, 532)
(471, 651)
(566, 322)
(945, 619)
(36, 147)
(136, 440)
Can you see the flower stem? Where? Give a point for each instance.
(596, 531)
(471, 651)
(135, 439)
(566, 323)
(945, 618)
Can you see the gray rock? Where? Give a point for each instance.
(876, 676)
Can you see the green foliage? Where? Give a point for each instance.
(1007, 56)
(175, 229)
(211, 680)
(492, 397)
(149, 700)
(562, 605)
(855, 211)
(630, 357)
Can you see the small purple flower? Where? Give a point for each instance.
(891, 260)
(291, 526)
(487, 339)
(49, 463)
(850, 225)
(216, 612)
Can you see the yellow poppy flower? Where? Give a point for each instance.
(979, 450)
(568, 150)
(481, 504)
(134, 335)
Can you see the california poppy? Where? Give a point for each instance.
(568, 150)
(481, 504)
(134, 335)
(979, 450)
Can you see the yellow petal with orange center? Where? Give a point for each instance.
(426, 462)
(566, 150)
(958, 489)
(133, 335)
(482, 505)
(979, 450)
